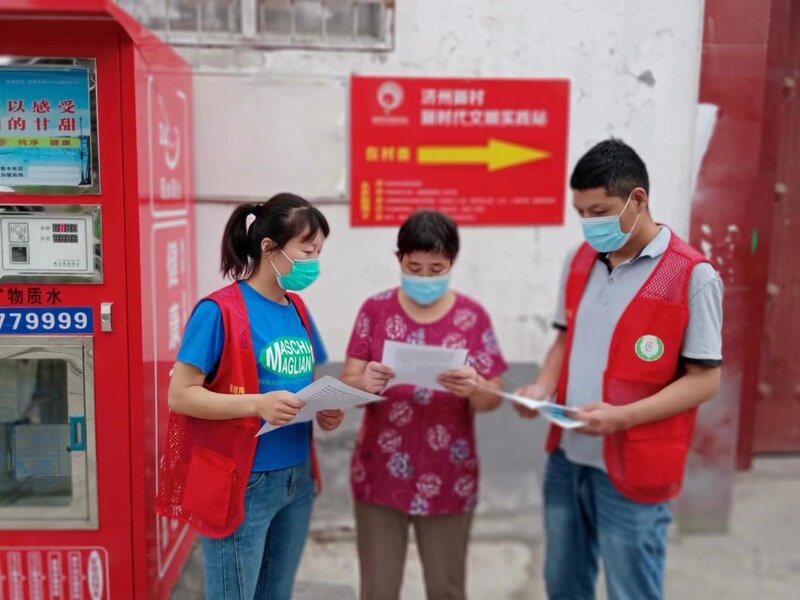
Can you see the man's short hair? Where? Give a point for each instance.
(612, 165)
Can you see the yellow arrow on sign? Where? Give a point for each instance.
(496, 155)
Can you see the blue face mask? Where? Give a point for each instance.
(425, 290)
(605, 234)
(302, 275)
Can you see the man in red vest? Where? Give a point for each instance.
(638, 349)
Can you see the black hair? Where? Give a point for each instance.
(280, 218)
(428, 231)
(612, 165)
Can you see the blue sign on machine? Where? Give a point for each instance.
(48, 321)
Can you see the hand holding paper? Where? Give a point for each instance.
(562, 416)
(416, 364)
(279, 407)
(532, 390)
(330, 419)
(557, 414)
(325, 394)
(600, 418)
(461, 382)
(376, 377)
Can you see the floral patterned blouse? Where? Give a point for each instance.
(416, 450)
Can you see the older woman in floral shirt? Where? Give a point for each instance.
(415, 461)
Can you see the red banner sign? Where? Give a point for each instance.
(484, 151)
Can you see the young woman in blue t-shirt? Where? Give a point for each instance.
(267, 249)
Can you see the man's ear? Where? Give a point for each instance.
(639, 196)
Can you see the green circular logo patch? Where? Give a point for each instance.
(649, 348)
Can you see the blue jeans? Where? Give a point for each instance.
(260, 559)
(584, 514)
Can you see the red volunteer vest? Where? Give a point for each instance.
(645, 463)
(204, 469)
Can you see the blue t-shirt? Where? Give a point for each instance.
(285, 362)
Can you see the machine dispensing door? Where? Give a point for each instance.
(48, 476)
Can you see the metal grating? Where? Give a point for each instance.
(268, 24)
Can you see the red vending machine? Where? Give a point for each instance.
(96, 281)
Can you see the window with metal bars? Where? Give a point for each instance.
(309, 24)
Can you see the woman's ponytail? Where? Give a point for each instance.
(236, 262)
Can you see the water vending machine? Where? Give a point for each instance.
(96, 281)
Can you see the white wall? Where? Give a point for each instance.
(270, 122)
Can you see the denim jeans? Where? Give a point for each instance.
(584, 515)
(259, 560)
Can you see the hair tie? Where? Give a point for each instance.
(249, 221)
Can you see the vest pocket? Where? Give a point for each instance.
(653, 454)
(209, 484)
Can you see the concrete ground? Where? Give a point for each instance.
(758, 558)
